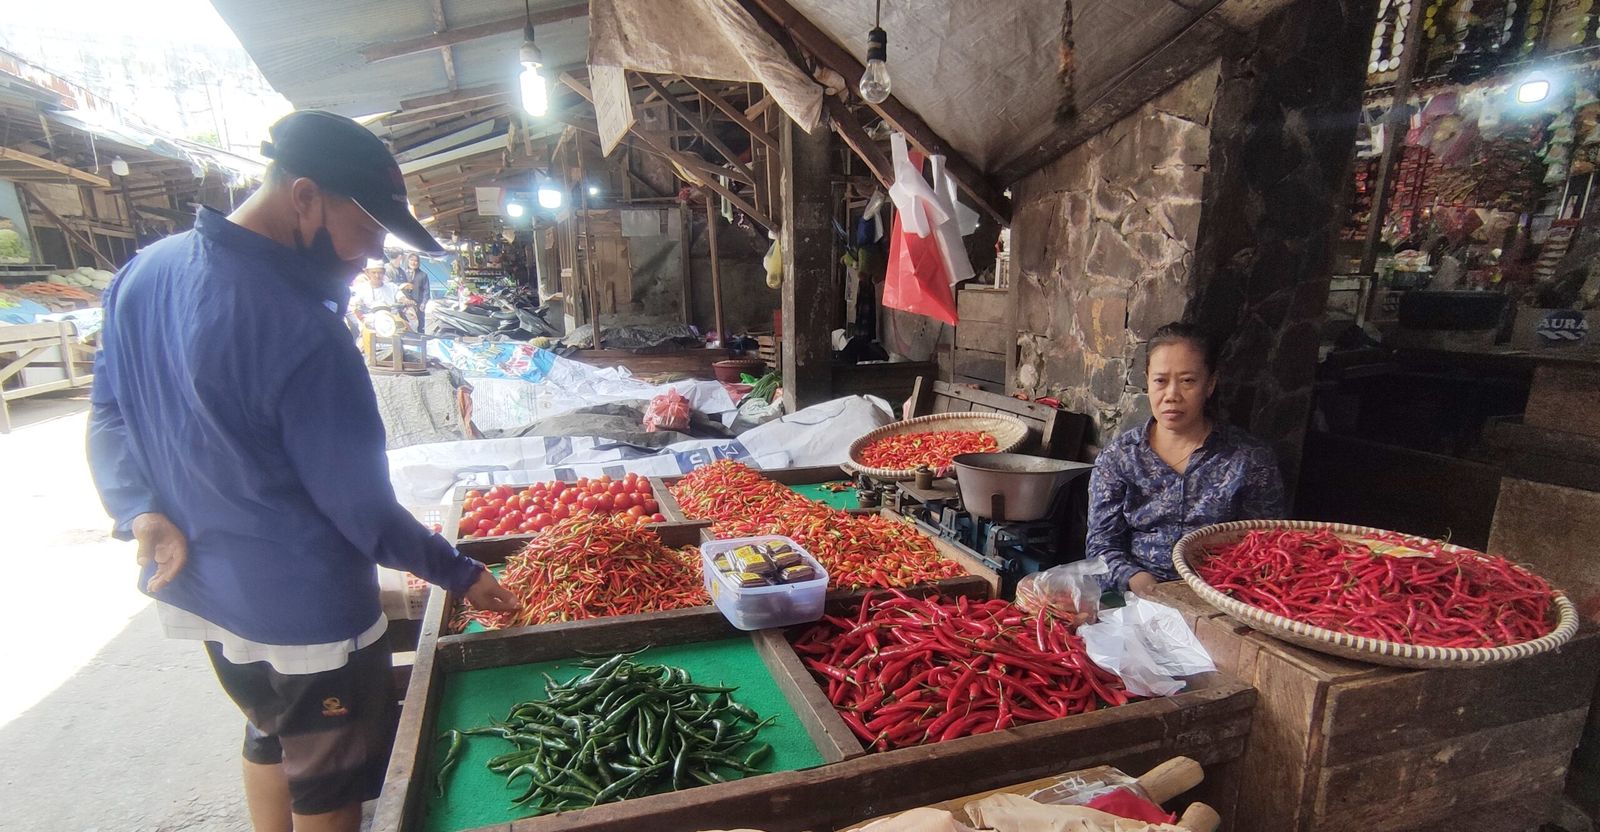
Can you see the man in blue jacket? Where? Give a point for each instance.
(235, 435)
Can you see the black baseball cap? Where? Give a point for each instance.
(338, 154)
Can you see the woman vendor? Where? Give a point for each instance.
(1179, 471)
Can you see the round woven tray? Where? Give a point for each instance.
(1360, 648)
(1007, 430)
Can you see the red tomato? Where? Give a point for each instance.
(650, 506)
(618, 488)
(637, 511)
(641, 519)
(474, 494)
(472, 504)
(588, 503)
(561, 510)
(603, 479)
(569, 496)
(499, 492)
(512, 517)
(642, 487)
(632, 476)
(583, 482)
(485, 525)
(604, 502)
(658, 518)
(557, 487)
(622, 502)
(542, 521)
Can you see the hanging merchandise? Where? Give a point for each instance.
(772, 261)
(920, 275)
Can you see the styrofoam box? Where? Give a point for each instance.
(761, 607)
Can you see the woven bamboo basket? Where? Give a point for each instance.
(1007, 430)
(1194, 546)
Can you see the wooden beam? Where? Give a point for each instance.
(448, 52)
(72, 173)
(732, 112)
(72, 233)
(699, 127)
(1178, 58)
(439, 40)
(808, 287)
(845, 124)
(485, 108)
(655, 143)
(985, 195)
(423, 102)
(712, 216)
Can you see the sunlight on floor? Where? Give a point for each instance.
(70, 586)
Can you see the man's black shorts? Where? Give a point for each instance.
(332, 731)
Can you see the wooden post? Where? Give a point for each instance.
(716, 271)
(1394, 123)
(808, 288)
(685, 241)
(588, 256)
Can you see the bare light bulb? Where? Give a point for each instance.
(594, 190)
(874, 87)
(549, 198)
(535, 90)
(119, 167)
(513, 209)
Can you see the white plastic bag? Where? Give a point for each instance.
(1148, 646)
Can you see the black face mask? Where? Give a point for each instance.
(323, 260)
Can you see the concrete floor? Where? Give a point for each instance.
(104, 724)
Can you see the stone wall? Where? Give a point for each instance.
(1104, 240)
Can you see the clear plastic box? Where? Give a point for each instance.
(761, 607)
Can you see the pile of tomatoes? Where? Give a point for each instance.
(504, 510)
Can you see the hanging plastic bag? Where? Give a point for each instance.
(1070, 592)
(773, 262)
(668, 411)
(1148, 646)
(918, 277)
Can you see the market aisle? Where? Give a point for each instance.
(104, 724)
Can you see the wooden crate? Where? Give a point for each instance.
(1209, 722)
(494, 550)
(1341, 745)
(803, 475)
(401, 802)
(452, 519)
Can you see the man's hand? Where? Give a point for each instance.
(488, 594)
(1142, 583)
(162, 542)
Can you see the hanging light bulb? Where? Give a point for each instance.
(874, 86)
(549, 197)
(535, 90)
(119, 167)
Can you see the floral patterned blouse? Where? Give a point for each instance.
(1139, 506)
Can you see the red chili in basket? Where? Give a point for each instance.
(935, 449)
(951, 682)
(1391, 587)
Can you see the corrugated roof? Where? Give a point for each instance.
(310, 50)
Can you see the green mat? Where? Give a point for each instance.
(833, 499)
(475, 797)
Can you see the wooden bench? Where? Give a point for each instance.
(28, 345)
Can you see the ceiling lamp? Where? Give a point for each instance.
(549, 198)
(874, 86)
(535, 91)
(119, 167)
(1532, 91)
(514, 209)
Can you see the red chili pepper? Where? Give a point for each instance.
(965, 670)
(591, 566)
(935, 449)
(1395, 587)
(858, 551)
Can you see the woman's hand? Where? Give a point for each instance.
(1142, 583)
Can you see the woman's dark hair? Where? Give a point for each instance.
(1179, 332)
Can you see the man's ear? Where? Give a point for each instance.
(307, 199)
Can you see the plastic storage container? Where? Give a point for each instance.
(760, 607)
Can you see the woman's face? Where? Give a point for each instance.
(413, 262)
(1179, 385)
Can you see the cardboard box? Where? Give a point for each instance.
(1555, 329)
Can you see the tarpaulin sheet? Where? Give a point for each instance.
(714, 39)
(818, 435)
